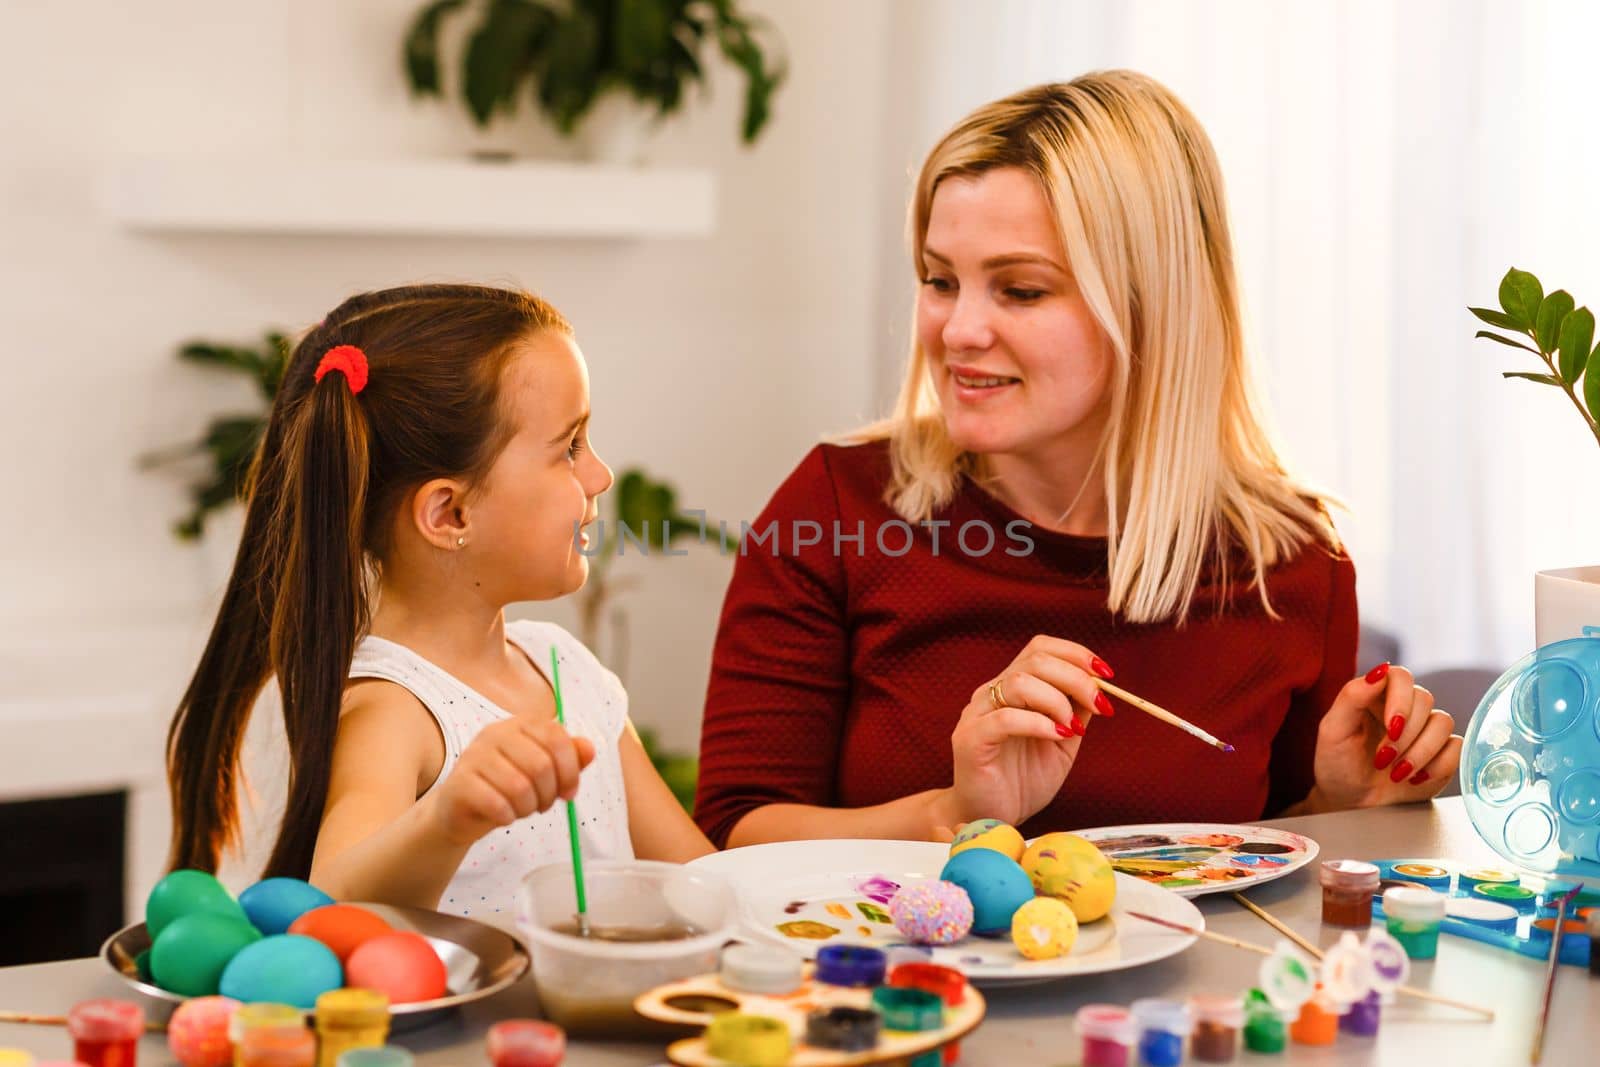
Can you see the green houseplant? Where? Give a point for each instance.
(646, 508)
(567, 54)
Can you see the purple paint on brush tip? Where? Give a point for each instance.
(1567, 897)
(1227, 748)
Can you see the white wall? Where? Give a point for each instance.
(715, 363)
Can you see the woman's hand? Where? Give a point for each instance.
(1019, 734)
(509, 771)
(1382, 742)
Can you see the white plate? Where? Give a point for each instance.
(797, 880)
(1204, 857)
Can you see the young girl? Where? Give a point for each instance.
(426, 463)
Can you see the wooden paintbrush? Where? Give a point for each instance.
(30, 1019)
(1550, 972)
(1163, 714)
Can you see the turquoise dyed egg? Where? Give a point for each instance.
(185, 893)
(997, 885)
(283, 969)
(274, 904)
(192, 952)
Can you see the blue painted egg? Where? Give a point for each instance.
(283, 969)
(275, 903)
(997, 885)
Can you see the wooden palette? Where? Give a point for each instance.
(686, 1003)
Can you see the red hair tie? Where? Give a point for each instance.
(350, 360)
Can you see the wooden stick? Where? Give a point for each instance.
(1162, 713)
(61, 1020)
(1410, 991)
(1221, 939)
(1550, 973)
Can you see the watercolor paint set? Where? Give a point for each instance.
(1498, 907)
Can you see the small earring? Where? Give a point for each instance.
(460, 541)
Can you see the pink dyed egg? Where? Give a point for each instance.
(400, 964)
(197, 1033)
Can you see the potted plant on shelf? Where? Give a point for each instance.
(605, 70)
(1561, 335)
(645, 508)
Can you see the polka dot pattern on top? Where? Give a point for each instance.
(596, 707)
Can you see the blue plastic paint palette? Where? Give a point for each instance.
(1530, 767)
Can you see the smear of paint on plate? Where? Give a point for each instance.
(872, 912)
(878, 888)
(805, 928)
(838, 911)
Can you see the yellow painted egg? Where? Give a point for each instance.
(1069, 868)
(992, 834)
(1044, 928)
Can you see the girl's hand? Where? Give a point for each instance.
(1019, 734)
(1383, 742)
(510, 770)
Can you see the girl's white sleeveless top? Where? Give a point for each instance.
(595, 705)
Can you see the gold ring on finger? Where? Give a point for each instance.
(997, 696)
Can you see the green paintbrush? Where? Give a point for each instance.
(572, 811)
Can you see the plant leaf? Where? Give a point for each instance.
(1495, 318)
(422, 47)
(1520, 296)
(1591, 382)
(1577, 334)
(499, 55)
(570, 71)
(1485, 334)
(1553, 309)
(1546, 379)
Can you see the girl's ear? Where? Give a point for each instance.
(439, 512)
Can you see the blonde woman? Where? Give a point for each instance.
(1075, 484)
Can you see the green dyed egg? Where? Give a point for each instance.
(187, 893)
(193, 951)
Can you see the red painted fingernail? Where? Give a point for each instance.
(1102, 668)
(1064, 731)
(1419, 777)
(1077, 724)
(1385, 756)
(1375, 675)
(1402, 771)
(1102, 704)
(1396, 726)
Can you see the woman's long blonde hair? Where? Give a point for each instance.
(1191, 475)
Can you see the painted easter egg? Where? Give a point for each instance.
(994, 882)
(184, 893)
(193, 951)
(197, 1033)
(283, 969)
(1071, 869)
(1044, 928)
(401, 964)
(342, 927)
(931, 913)
(989, 833)
(274, 903)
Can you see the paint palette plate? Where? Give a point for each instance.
(1195, 858)
(1530, 763)
(837, 892)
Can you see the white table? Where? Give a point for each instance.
(1033, 1025)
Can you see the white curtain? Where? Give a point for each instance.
(1386, 162)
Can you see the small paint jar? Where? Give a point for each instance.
(15, 1057)
(946, 982)
(1108, 1034)
(526, 1043)
(1216, 1028)
(1489, 914)
(383, 1056)
(1542, 931)
(1364, 1015)
(1469, 880)
(761, 969)
(751, 1040)
(1413, 917)
(1318, 1023)
(348, 1019)
(912, 1010)
(1347, 890)
(276, 1046)
(851, 966)
(1266, 1026)
(1427, 874)
(105, 1033)
(1163, 1027)
(1520, 897)
(843, 1029)
(263, 1013)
